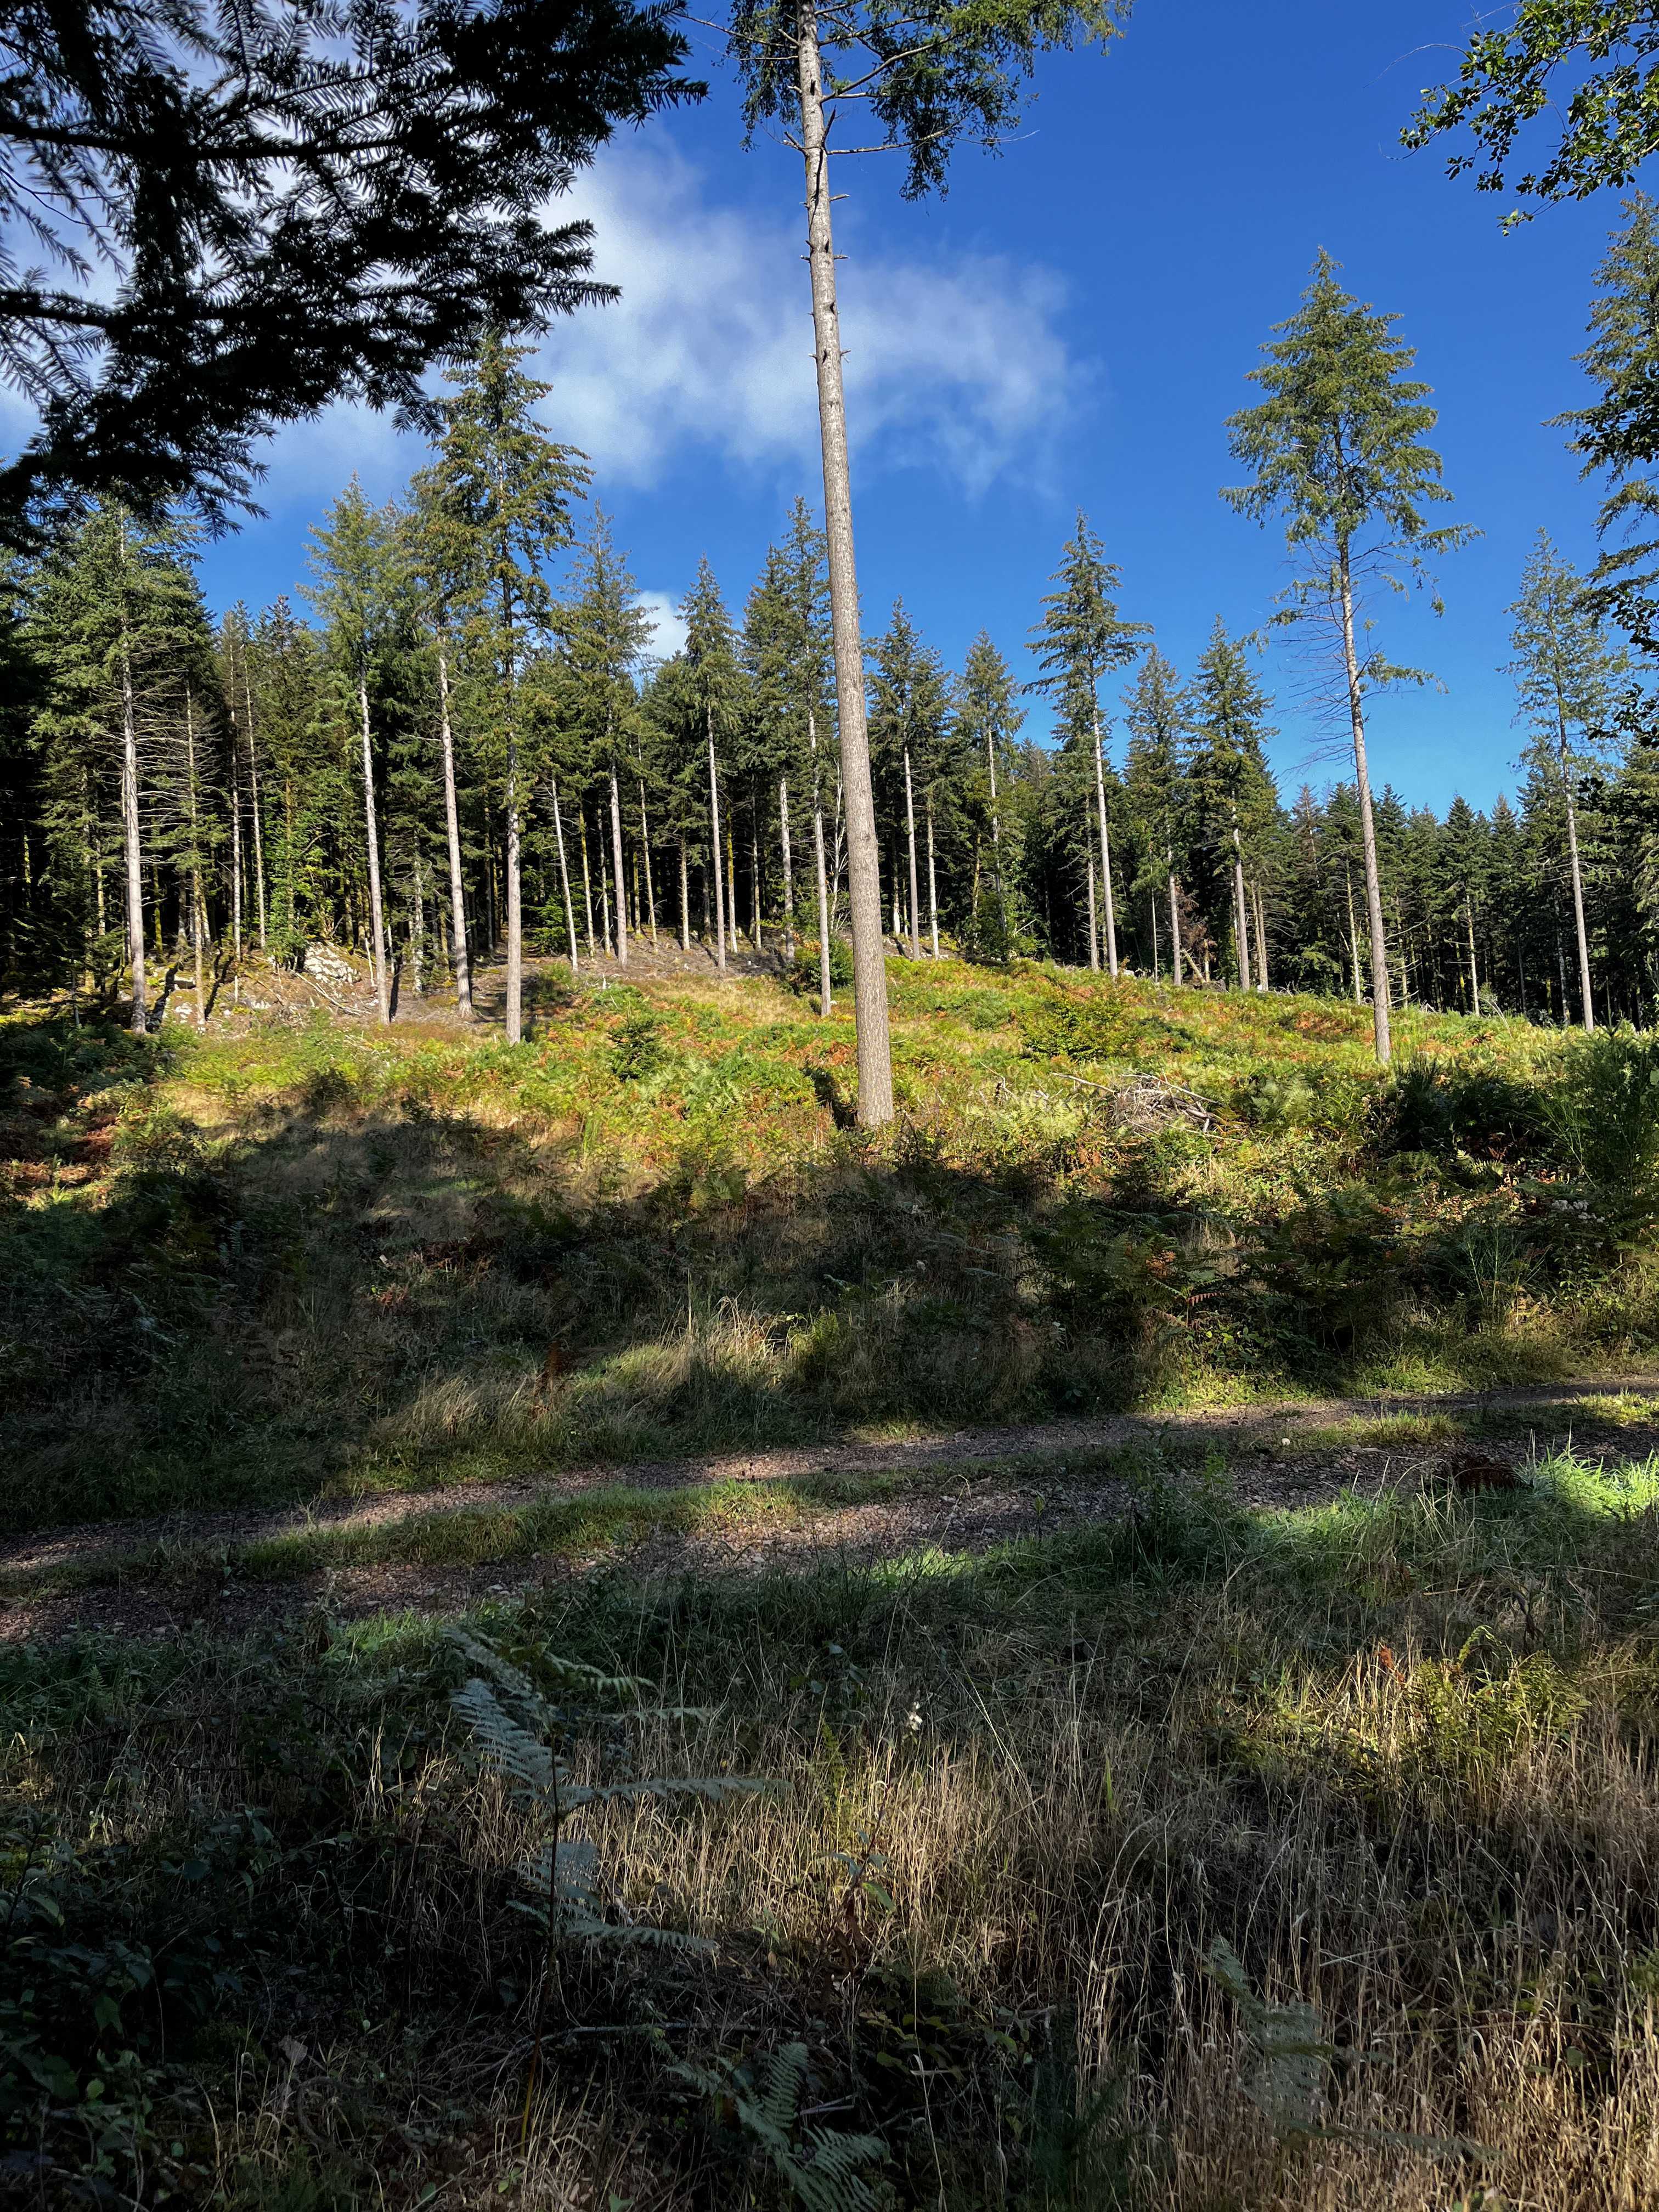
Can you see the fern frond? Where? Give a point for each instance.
(502, 1742)
(1286, 2074)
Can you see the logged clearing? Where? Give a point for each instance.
(575, 1631)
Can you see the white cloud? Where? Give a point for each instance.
(955, 363)
(670, 627)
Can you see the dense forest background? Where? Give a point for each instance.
(460, 742)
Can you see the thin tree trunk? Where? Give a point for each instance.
(515, 898)
(869, 964)
(197, 918)
(731, 885)
(376, 917)
(1367, 824)
(910, 841)
(645, 855)
(458, 956)
(564, 877)
(826, 913)
(1353, 942)
(789, 869)
(129, 829)
(417, 928)
(1089, 878)
(686, 900)
(933, 879)
(1584, 1001)
(1475, 973)
(1260, 939)
(587, 875)
(1175, 924)
(235, 845)
(1240, 922)
(1152, 905)
(1105, 851)
(254, 790)
(617, 869)
(715, 849)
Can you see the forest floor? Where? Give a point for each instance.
(1172, 1528)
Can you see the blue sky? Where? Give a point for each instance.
(1069, 327)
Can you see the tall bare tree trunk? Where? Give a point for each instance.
(564, 876)
(932, 878)
(1475, 973)
(756, 887)
(1353, 942)
(789, 869)
(235, 846)
(616, 868)
(131, 838)
(1587, 1010)
(376, 915)
(1175, 923)
(587, 873)
(1241, 920)
(253, 791)
(198, 917)
(645, 855)
(1367, 824)
(826, 913)
(514, 898)
(1105, 851)
(864, 865)
(1089, 864)
(914, 931)
(1260, 939)
(686, 900)
(731, 885)
(715, 849)
(458, 957)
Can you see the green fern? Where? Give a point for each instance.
(1284, 2076)
(824, 2168)
(518, 1733)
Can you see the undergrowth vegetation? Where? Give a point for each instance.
(1199, 1857)
(262, 1266)
(1206, 1859)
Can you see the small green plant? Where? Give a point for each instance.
(824, 2169)
(1286, 2058)
(1604, 1117)
(805, 975)
(636, 1046)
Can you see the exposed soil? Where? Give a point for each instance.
(970, 1507)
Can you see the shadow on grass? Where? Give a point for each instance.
(343, 1298)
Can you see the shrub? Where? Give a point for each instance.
(804, 970)
(1426, 1107)
(1604, 1118)
(636, 1046)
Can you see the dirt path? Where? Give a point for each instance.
(1277, 1458)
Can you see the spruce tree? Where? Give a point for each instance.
(987, 723)
(1081, 640)
(717, 688)
(498, 507)
(604, 632)
(356, 559)
(1335, 448)
(1232, 792)
(1567, 676)
(909, 720)
(1157, 717)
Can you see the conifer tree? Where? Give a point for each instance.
(1566, 678)
(1336, 449)
(1157, 719)
(606, 631)
(988, 722)
(114, 617)
(1233, 790)
(499, 499)
(1080, 640)
(1618, 435)
(717, 688)
(356, 559)
(929, 73)
(910, 717)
